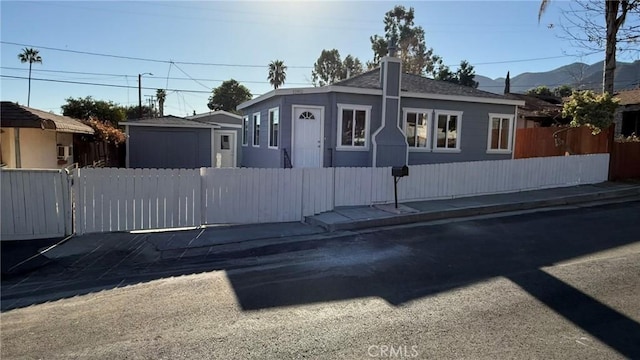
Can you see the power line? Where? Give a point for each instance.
(97, 84)
(255, 66)
(146, 76)
(147, 59)
(106, 85)
(189, 76)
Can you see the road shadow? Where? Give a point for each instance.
(400, 265)
(18, 257)
(602, 322)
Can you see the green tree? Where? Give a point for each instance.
(31, 56)
(563, 91)
(587, 108)
(161, 95)
(442, 72)
(399, 26)
(329, 68)
(466, 74)
(463, 76)
(584, 30)
(228, 96)
(540, 91)
(277, 73)
(351, 66)
(133, 112)
(88, 107)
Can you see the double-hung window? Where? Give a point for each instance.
(274, 127)
(500, 138)
(256, 129)
(353, 127)
(417, 128)
(245, 130)
(447, 130)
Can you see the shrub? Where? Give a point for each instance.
(105, 131)
(631, 138)
(587, 108)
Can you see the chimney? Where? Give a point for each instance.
(389, 143)
(392, 47)
(391, 52)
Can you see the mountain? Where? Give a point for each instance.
(578, 75)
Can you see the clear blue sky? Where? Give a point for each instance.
(495, 37)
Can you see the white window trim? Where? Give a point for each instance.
(367, 125)
(458, 131)
(429, 112)
(509, 149)
(271, 111)
(253, 127)
(245, 127)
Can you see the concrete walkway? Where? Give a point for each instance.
(118, 252)
(353, 218)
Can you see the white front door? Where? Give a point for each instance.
(307, 137)
(225, 149)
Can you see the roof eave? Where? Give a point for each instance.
(464, 98)
(369, 91)
(198, 126)
(309, 90)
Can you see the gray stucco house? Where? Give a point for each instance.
(205, 140)
(379, 118)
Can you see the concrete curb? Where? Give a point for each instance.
(475, 210)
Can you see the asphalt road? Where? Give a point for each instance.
(560, 284)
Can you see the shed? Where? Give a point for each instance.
(170, 142)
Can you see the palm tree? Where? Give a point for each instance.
(31, 56)
(161, 95)
(277, 73)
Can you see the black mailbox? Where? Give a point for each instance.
(400, 171)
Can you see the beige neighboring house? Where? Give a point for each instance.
(35, 139)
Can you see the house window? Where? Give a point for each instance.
(447, 130)
(225, 143)
(417, 125)
(500, 133)
(307, 115)
(353, 127)
(256, 129)
(245, 131)
(274, 127)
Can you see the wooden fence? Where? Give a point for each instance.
(540, 142)
(134, 199)
(111, 199)
(39, 203)
(625, 161)
(35, 204)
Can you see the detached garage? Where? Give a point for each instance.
(170, 142)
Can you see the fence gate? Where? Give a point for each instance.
(35, 204)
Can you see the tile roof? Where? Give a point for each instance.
(416, 84)
(628, 97)
(14, 115)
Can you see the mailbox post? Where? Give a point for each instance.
(397, 172)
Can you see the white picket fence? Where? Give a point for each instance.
(37, 203)
(133, 199)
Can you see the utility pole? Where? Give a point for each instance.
(140, 93)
